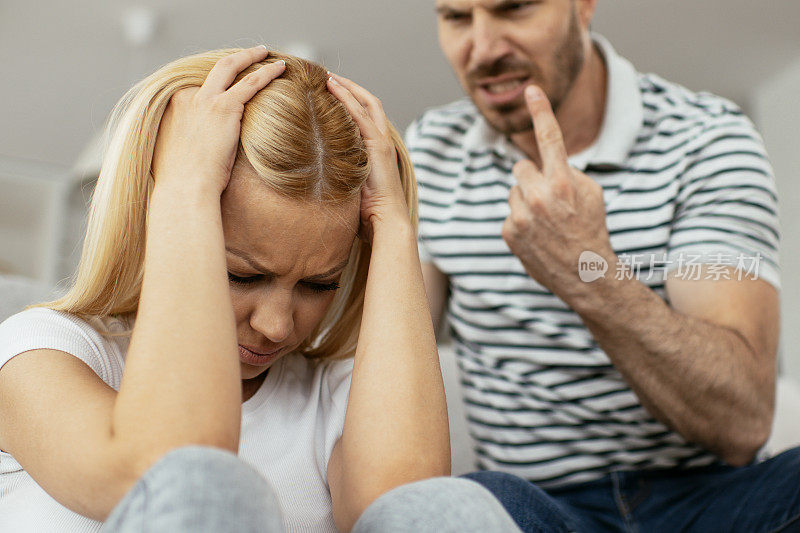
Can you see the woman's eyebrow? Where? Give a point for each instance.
(328, 273)
(253, 263)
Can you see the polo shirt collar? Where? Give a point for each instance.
(622, 119)
(623, 115)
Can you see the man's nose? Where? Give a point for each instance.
(273, 315)
(488, 41)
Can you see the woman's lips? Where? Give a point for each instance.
(257, 359)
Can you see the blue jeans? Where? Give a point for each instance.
(761, 497)
(198, 489)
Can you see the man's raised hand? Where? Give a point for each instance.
(557, 212)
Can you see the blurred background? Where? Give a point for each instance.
(64, 65)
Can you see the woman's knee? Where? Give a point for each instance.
(200, 471)
(198, 486)
(438, 505)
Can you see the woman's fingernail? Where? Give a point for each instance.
(333, 80)
(281, 62)
(264, 46)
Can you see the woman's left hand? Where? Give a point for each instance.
(382, 198)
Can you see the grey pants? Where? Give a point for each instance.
(198, 489)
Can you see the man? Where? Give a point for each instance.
(606, 245)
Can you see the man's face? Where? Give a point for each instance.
(498, 47)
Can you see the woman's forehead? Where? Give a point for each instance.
(250, 196)
(273, 227)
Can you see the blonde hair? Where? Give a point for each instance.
(296, 135)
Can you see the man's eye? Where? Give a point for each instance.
(453, 16)
(242, 280)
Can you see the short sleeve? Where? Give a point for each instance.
(41, 328)
(727, 211)
(334, 394)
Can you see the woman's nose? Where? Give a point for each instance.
(272, 316)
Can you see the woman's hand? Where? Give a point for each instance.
(382, 198)
(199, 132)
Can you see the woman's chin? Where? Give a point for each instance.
(252, 371)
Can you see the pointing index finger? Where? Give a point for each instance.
(548, 132)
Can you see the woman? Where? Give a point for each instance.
(249, 207)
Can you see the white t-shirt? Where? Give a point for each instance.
(289, 427)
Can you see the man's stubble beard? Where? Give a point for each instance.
(568, 61)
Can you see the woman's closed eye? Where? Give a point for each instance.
(243, 280)
(313, 286)
(321, 287)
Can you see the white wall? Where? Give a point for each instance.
(776, 108)
(66, 63)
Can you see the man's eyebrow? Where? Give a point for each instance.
(492, 5)
(445, 7)
(447, 10)
(502, 4)
(253, 263)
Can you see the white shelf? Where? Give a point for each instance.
(37, 218)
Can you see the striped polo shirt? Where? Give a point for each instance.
(685, 180)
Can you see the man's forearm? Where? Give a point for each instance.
(703, 380)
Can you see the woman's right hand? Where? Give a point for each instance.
(199, 131)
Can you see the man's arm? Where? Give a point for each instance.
(436, 288)
(706, 365)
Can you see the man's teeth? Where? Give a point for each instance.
(502, 87)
